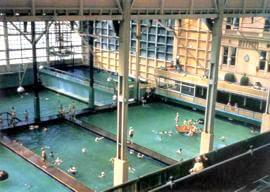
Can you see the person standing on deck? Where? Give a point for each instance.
(13, 116)
(61, 110)
(72, 110)
(177, 119)
(43, 155)
(131, 133)
(26, 116)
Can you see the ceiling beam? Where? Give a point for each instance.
(119, 6)
(61, 18)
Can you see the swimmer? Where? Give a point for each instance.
(97, 139)
(84, 150)
(28, 185)
(51, 154)
(140, 156)
(46, 98)
(131, 169)
(58, 161)
(102, 174)
(45, 129)
(72, 170)
(179, 151)
(112, 160)
(223, 138)
(131, 151)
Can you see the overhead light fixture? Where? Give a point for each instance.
(41, 67)
(20, 89)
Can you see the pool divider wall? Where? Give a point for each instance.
(154, 155)
(35, 160)
(74, 86)
(181, 169)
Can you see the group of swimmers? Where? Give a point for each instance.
(71, 111)
(190, 124)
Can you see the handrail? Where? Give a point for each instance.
(219, 106)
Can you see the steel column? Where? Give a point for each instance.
(207, 134)
(6, 44)
(267, 107)
(35, 74)
(138, 47)
(120, 163)
(91, 101)
(47, 42)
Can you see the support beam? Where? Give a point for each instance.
(19, 30)
(6, 45)
(207, 134)
(44, 32)
(47, 43)
(138, 48)
(35, 75)
(120, 163)
(91, 101)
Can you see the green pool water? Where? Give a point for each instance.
(67, 141)
(49, 102)
(149, 120)
(24, 177)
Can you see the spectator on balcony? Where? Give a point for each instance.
(177, 64)
(235, 106)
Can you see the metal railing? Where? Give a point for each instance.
(6, 120)
(202, 102)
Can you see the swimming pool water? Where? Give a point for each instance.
(149, 120)
(67, 141)
(24, 177)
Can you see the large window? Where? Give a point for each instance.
(233, 55)
(225, 55)
(232, 23)
(267, 24)
(229, 55)
(262, 62)
(156, 42)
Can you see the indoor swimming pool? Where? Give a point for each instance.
(154, 126)
(49, 102)
(24, 177)
(78, 147)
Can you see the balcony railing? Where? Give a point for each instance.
(202, 102)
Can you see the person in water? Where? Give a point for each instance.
(72, 170)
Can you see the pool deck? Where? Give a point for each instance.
(34, 159)
(154, 155)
